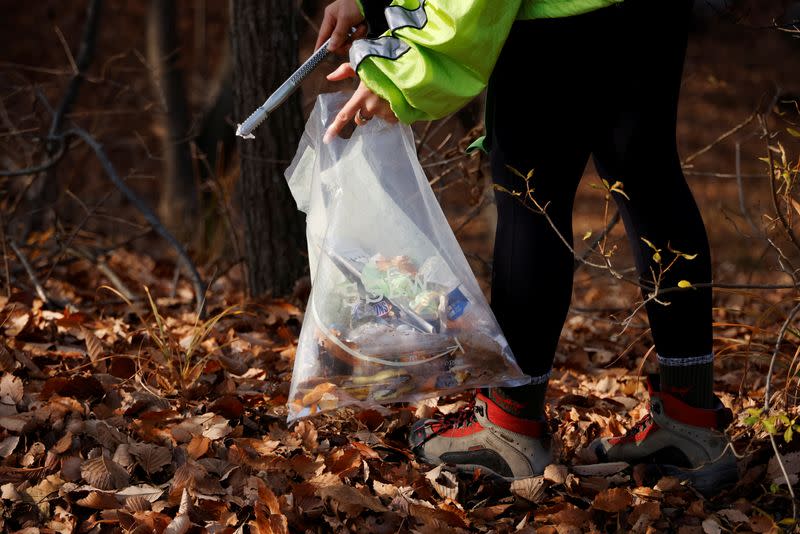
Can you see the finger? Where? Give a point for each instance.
(339, 36)
(344, 116)
(343, 72)
(361, 118)
(325, 29)
(361, 32)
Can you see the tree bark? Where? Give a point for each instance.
(264, 44)
(178, 203)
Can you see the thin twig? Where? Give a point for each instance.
(52, 161)
(5, 255)
(102, 266)
(32, 275)
(85, 55)
(596, 241)
(767, 395)
(721, 138)
(148, 214)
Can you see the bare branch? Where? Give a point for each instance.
(148, 214)
(85, 55)
(31, 274)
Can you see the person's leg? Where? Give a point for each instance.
(639, 149)
(682, 433)
(534, 132)
(538, 111)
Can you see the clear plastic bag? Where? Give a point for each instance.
(395, 313)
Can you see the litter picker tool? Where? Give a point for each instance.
(245, 129)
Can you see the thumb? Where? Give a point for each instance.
(342, 73)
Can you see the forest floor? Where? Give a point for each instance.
(110, 421)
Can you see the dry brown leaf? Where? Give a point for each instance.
(666, 484)
(532, 489)
(762, 523)
(307, 434)
(570, 515)
(612, 500)
(350, 500)
(645, 513)
(791, 462)
(138, 503)
(733, 515)
(95, 349)
(64, 444)
(99, 500)
(267, 497)
(344, 461)
(444, 482)
(34, 453)
(11, 389)
(181, 523)
(710, 526)
(198, 447)
(107, 435)
(105, 474)
(557, 474)
(151, 493)
(489, 513)
(152, 458)
(8, 445)
(16, 322)
(7, 361)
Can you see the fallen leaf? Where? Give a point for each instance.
(151, 493)
(650, 510)
(350, 500)
(8, 445)
(181, 523)
(612, 500)
(105, 474)
(557, 474)
(138, 504)
(791, 462)
(11, 389)
(532, 489)
(710, 526)
(444, 482)
(732, 515)
(152, 458)
(99, 500)
(762, 523)
(198, 447)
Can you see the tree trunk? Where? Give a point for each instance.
(264, 43)
(178, 201)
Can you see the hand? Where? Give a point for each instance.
(362, 106)
(340, 16)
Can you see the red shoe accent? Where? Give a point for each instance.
(676, 409)
(528, 427)
(456, 432)
(638, 432)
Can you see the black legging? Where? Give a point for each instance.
(606, 84)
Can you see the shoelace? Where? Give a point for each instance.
(643, 423)
(464, 416)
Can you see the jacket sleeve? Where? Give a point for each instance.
(436, 54)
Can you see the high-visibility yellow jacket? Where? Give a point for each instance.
(436, 55)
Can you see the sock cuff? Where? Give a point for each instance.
(541, 379)
(685, 362)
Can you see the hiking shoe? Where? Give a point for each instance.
(677, 440)
(483, 436)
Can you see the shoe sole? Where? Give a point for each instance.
(471, 468)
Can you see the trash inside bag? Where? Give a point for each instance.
(395, 313)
